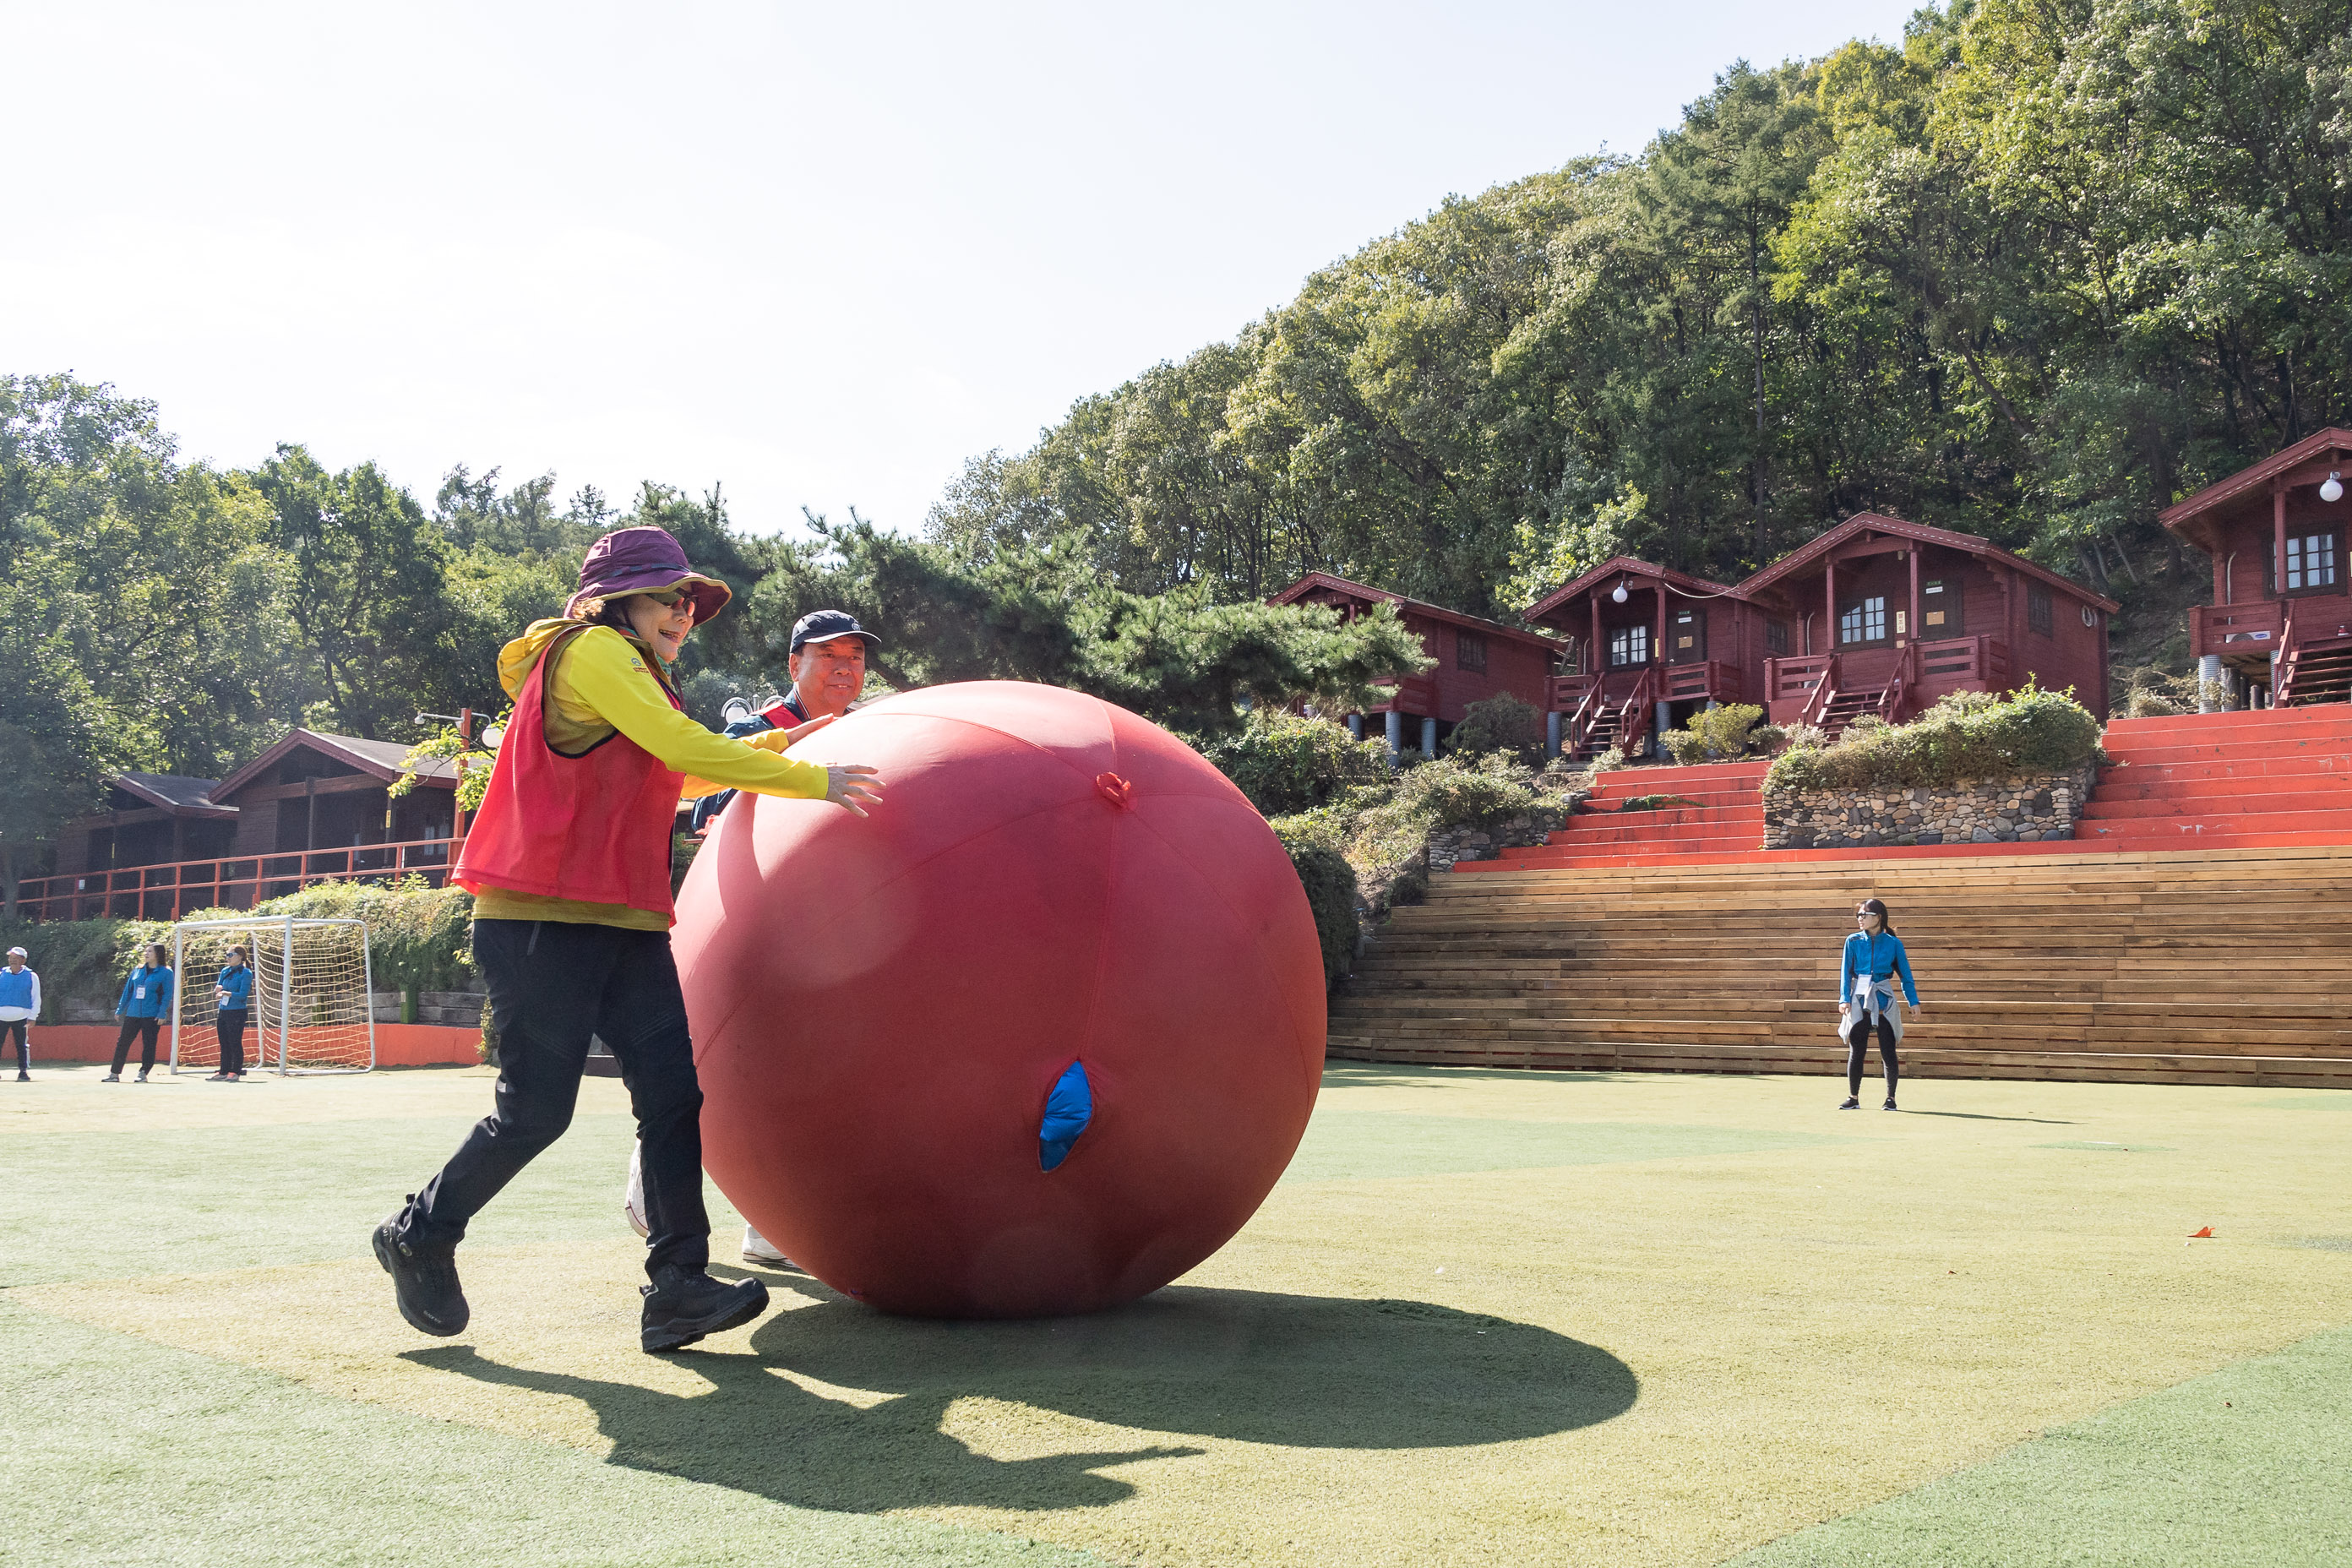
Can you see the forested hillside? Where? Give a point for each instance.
(2032, 273)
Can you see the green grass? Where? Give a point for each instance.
(1491, 1317)
(2249, 1465)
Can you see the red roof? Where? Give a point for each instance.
(2257, 478)
(1795, 562)
(1631, 566)
(1368, 595)
(381, 759)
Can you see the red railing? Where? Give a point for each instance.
(1952, 663)
(170, 890)
(2214, 629)
(1701, 680)
(1634, 717)
(1413, 694)
(1799, 677)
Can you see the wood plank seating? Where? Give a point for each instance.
(2197, 966)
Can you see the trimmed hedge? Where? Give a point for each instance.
(1968, 736)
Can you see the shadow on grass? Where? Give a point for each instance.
(1981, 1116)
(1340, 1072)
(1296, 1371)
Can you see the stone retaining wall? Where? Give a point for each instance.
(1524, 831)
(2026, 809)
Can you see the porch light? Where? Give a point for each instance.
(2333, 488)
(1617, 594)
(493, 735)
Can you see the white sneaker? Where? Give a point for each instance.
(759, 1249)
(633, 1193)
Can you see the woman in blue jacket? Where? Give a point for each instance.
(233, 996)
(145, 1003)
(1874, 959)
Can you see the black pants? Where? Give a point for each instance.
(24, 1042)
(145, 1029)
(552, 985)
(229, 1023)
(1858, 1041)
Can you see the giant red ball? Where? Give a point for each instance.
(881, 1007)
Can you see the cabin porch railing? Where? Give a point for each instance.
(1413, 694)
(1703, 679)
(171, 889)
(2236, 628)
(1953, 663)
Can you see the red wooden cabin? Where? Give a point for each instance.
(1647, 647)
(1477, 659)
(1884, 617)
(2287, 643)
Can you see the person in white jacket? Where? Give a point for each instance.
(20, 1004)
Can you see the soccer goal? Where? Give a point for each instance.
(312, 1010)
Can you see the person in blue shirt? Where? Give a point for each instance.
(145, 1003)
(232, 998)
(1867, 970)
(20, 1004)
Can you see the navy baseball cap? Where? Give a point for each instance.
(824, 625)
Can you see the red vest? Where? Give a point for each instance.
(596, 828)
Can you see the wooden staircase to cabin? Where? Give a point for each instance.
(2203, 966)
(2315, 673)
(1846, 706)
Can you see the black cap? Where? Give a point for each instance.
(824, 625)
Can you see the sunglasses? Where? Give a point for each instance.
(665, 597)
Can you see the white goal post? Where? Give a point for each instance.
(312, 1009)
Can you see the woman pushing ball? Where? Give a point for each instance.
(569, 862)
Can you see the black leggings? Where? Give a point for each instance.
(23, 1043)
(1857, 1043)
(229, 1022)
(145, 1028)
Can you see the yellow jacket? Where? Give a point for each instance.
(603, 682)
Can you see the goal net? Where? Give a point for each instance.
(310, 1009)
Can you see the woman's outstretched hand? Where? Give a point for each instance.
(853, 786)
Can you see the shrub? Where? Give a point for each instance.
(1719, 734)
(1500, 723)
(2151, 691)
(1315, 842)
(1286, 763)
(1969, 735)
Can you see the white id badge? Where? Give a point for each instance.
(139, 993)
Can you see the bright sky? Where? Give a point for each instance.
(820, 253)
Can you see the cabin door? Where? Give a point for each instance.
(1687, 636)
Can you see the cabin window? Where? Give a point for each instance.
(1629, 646)
(1470, 651)
(1776, 637)
(2037, 607)
(2313, 561)
(1939, 608)
(1863, 621)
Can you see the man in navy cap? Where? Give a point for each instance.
(826, 661)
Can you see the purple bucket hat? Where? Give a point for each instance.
(642, 561)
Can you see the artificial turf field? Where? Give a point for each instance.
(1488, 1318)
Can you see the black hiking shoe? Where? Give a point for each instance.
(1852, 1102)
(424, 1281)
(681, 1306)
(1890, 1103)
